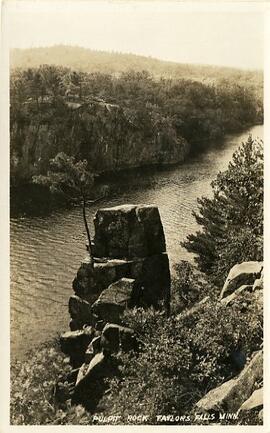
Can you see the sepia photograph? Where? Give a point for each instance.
(135, 175)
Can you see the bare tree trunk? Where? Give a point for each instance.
(87, 230)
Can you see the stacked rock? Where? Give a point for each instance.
(131, 267)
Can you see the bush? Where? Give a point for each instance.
(232, 220)
(188, 286)
(183, 358)
(33, 382)
(180, 359)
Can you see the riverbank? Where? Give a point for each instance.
(28, 199)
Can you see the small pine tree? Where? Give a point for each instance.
(232, 220)
(71, 179)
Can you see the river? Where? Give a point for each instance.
(45, 252)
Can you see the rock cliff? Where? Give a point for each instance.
(104, 134)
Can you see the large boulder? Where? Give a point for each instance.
(241, 274)
(232, 394)
(128, 231)
(254, 401)
(91, 280)
(89, 385)
(237, 294)
(80, 312)
(93, 348)
(113, 301)
(115, 337)
(75, 343)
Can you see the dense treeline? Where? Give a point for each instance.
(118, 122)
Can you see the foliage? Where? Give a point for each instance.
(71, 179)
(87, 60)
(101, 117)
(232, 220)
(182, 359)
(188, 286)
(32, 397)
(32, 384)
(67, 177)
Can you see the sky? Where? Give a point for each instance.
(166, 30)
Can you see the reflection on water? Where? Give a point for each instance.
(46, 251)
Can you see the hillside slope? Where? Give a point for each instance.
(87, 60)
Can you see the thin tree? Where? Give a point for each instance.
(72, 180)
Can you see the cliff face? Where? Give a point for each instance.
(108, 136)
(118, 122)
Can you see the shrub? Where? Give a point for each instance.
(182, 358)
(232, 220)
(33, 381)
(188, 286)
(179, 360)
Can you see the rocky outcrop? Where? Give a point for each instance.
(91, 280)
(91, 353)
(131, 268)
(113, 301)
(255, 401)
(129, 243)
(248, 293)
(240, 394)
(232, 394)
(241, 274)
(75, 343)
(128, 231)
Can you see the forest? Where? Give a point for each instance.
(115, 122)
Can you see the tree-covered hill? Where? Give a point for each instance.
(120, 111)
(87, 60)
(118, 122)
